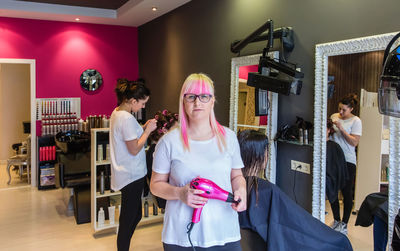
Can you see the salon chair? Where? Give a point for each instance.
(251, 241)
(73, 171)
(21, 159)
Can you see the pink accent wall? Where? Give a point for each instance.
(63, 50)
(244, 70)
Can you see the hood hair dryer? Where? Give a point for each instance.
(211, 191)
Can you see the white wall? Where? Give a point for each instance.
(14, 105)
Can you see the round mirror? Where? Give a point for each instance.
(91, 80)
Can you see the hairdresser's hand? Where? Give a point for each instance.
(190, 197)
(338, 125)
(239, 195)
(150, 125)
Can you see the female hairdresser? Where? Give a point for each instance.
(199, 146)
(348, 129)
(128, 159)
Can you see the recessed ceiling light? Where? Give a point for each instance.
(154, 8)
(77, 19)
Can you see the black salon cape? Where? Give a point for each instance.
(337, 173)
(375, 204)
(284, 225)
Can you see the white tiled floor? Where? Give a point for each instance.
(38, 220)
(361, 238)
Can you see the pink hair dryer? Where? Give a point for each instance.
(211, 191)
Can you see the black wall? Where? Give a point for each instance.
(196, 38)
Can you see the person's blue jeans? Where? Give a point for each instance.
(380, 234)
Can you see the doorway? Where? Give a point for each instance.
(30, 66)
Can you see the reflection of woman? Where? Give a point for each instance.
(200, 146)
(280, 222)
(128, 160)
(347, 134)
(337, 174)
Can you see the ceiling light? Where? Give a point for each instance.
(154, 8)
(77, 19)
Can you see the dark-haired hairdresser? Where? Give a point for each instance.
(128, 158)
(277, 219)
(348, 130)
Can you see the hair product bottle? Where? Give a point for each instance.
(102, 183)
(155, 209)
(101, 217)
(146, 209)
(111, 214)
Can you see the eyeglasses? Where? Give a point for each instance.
(204, 98)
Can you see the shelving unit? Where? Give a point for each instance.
(46, 169)
(95, 194)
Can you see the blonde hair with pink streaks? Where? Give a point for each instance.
(199, 83)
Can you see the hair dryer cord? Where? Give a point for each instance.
(189, 228)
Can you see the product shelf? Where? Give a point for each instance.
(107, 193)
(106, 225)
(104, 162)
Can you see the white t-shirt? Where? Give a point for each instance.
(125, 167)
(351, 125)
(219, 222)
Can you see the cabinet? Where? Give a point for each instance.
(373, 150)
(100, 136)
(46, 152)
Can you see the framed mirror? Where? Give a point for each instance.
(243, 109)
(91, 80)
(322, 52)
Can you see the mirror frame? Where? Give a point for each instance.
(271, 128)
(322, 52)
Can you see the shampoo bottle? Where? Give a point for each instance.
(101, 218)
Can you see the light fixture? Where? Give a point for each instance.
(77, 19)
(154, 8)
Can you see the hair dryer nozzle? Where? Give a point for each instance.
(231, 199)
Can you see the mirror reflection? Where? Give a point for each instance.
(91, 80)
(248, 115)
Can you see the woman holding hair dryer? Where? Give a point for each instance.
(128, 159)
(199, 146)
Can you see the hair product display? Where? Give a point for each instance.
(47, 153)
(58, 114)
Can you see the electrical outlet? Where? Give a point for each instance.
(300, 166)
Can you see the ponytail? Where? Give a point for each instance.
(125, 90)
(350, 100)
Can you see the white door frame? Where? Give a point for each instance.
(32, 68)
